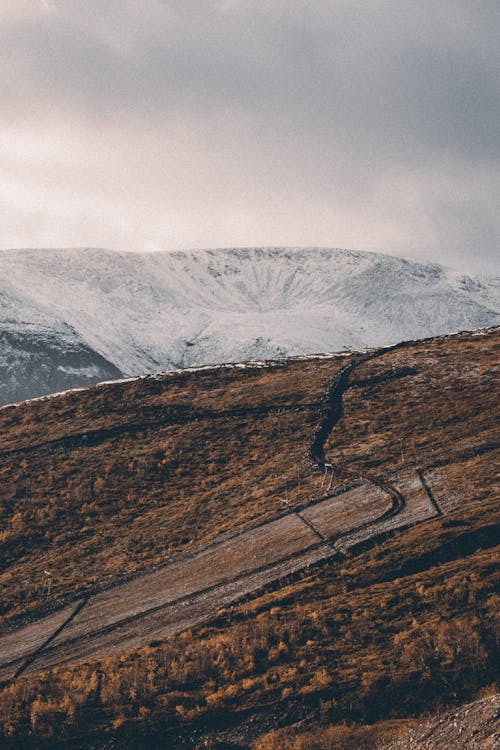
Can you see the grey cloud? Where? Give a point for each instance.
(338, 103)
(384, 70)
(466, 229)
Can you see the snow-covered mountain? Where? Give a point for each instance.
(70, 317)
(41, 354)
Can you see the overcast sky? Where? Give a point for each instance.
(166, 124)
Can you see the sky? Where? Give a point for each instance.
(176, 124)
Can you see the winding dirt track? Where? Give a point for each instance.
(333, 414)
(190, 591)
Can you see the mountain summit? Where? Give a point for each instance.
(76, 316)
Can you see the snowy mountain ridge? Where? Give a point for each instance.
(136, 313)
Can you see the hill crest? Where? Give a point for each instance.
(137, 313)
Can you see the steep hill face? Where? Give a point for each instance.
(149, 312)
(41, 354)
(36, 363)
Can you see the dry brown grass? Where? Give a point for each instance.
(108, 506)
(340, 737)
(389, 632)
(392, 632)
(96, 512)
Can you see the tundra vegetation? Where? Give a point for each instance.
(101, 484)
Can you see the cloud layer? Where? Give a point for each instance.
(159, 124)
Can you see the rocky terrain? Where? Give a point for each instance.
(475, 726)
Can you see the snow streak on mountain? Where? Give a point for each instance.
(71, 317)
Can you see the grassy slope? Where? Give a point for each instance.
(118, 503)
(388, 632)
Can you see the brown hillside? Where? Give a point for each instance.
(101, 484)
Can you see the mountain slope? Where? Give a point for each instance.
(41, 354)
(125, 492)
(157, 311)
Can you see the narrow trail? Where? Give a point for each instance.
(332, 415)
(43, 646)
(429, 492)
(314, 530)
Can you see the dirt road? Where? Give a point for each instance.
(187, 592)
